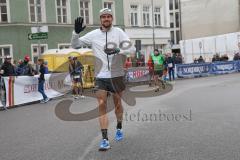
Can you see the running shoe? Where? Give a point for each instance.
(46, 100)
(76, 97)
(119, 135)
(42, 101)
(104, 145)
(82, 96)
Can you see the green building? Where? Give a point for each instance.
(20, 18)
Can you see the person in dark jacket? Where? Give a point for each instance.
(7, 68)
(170, 65)
(41, 81)
(201, 60)
(236, 57)
(25, 69)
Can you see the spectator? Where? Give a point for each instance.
(7, 68)
(178, 58)
(236, 57)
(128, 63)
(170, 66)
(224, 57)
(140, 61)
(214, 58)
(46, 66)
(201, 60)
(195, 60)
(41, 81)
(134, 60)
(218, 57)
(151, 70)
(25, 68)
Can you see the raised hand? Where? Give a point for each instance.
(79, 25)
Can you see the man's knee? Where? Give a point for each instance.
(102, 103)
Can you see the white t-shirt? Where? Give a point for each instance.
(97, 39)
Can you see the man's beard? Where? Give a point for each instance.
(107, 26)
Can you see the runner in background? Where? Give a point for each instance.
(75, 71)
(158, 61)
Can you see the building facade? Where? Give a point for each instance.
(202, 18)
(175, 25)
(17, 17)
(147, 22)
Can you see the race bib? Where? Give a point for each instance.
(156, 62)
(170, 65)
(77, 76)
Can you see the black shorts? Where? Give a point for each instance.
(77, 80)
(114, 85)
(158, 72)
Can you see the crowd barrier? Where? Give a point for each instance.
(24, 89)
(206, 69)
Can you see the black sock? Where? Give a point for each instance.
(104, 134)
(119, 125)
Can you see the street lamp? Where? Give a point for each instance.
(153, 25)
(200, 47)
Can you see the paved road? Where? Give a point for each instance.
(198, 120)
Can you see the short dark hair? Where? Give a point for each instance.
(156, 50)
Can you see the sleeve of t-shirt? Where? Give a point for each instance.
(126, 46)
(78, 42)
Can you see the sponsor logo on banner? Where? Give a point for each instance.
(24, 89)
(137, 74)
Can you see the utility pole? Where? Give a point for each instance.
(38, 30)
(180, 18)
(153, 25)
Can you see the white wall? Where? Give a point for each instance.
(202, 18)
(221, 44)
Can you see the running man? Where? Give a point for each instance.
(75, 71)
(158, 61)
(110, 77)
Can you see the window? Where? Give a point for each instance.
(177, 36)
(172, 37)
(134, 15)
(84, 10)
(110, 5)
(37, 10)
(5, 50)
(64, 46)
(157, 16)
(177, 19)
(176, 4)
(3, 11)
(146, 16)
(171, 20)
(171, 4)
(62, 11)
(35, 49)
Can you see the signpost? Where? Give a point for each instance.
(37, 36)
